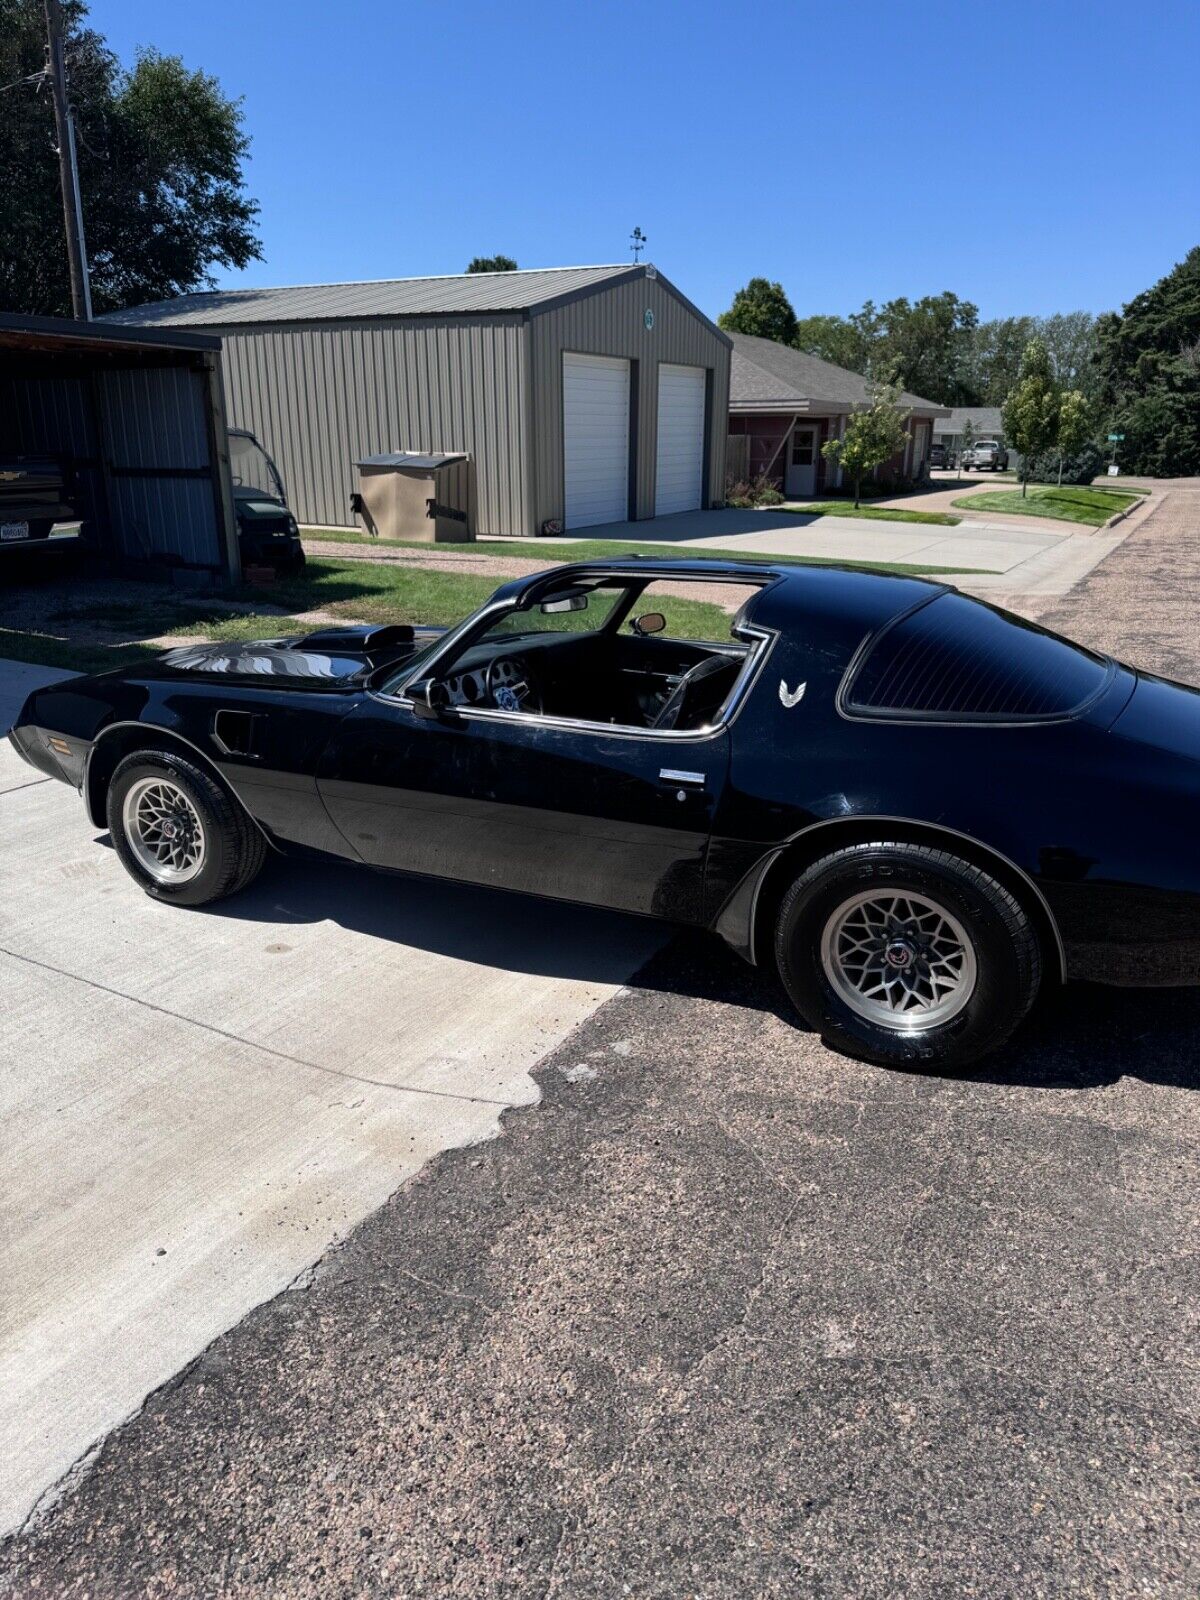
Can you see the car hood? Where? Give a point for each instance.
(334, 658)
(255, 505)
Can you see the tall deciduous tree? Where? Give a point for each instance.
(842, 340)
(1070, 339)
(874, 434)
(925, 345)
(995, 358)
(492, 264)
(1031, 410)
(1148, 374)
(160, 166)
(761, 309)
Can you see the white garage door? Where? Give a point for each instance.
(680, 472)
(595, 439)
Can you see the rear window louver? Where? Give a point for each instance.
(957, 659)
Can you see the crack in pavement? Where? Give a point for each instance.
(252, 1044)
(17, 787)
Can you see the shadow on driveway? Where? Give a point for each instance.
(1078, 1037)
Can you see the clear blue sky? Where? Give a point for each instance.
(1030, 157)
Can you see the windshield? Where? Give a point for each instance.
(576, 610)
(252, 468)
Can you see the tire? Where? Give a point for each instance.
(837, 943)
(216, 849)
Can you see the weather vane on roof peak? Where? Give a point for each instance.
(637, 243)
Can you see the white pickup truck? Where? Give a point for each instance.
(986, 456)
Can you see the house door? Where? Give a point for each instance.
(800, 477)
(920, 448)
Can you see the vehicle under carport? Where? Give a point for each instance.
(135, 420)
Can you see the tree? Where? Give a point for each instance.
(966, 441)
(492, 264)
(994, 360)
(837, 339)
(761, 309)
(1147, 376)
(160, 168)
(874, 434)
(1070, 338)
(925, 346)
(1074, 425)
(1031, 409)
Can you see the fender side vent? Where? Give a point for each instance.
(236, 733)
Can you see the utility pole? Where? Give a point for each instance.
(56, 71)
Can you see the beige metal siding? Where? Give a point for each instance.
(612, 323)
(320, 396)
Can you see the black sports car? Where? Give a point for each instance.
(917, 807)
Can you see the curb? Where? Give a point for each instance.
(1121, 515)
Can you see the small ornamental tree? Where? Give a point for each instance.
(874, 434)
(1074, 426)
(966, 442)
(1031, 410)
(493, 264)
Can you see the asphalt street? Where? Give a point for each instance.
(725, 1314)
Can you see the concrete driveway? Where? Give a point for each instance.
(991, 558)
(194, 1105)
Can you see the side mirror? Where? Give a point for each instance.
(429, 699)
(649, 622)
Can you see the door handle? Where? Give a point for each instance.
(681, 780)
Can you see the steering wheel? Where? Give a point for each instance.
(510, 686)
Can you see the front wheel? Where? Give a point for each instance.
(178, 832)
(905, 955)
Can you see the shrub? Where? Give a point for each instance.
(1079, 468)
(742, 493)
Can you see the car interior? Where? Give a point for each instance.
(593, 654)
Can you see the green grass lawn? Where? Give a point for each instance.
(847, 508)
(377, 592)
(1091, 507)
(553, 551)
(356, 591)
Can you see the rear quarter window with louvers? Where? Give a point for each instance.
(956, 660)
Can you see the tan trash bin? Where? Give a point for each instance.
(407, 495)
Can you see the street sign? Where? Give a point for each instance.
(1115, 438)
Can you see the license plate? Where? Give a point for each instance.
(14, 530)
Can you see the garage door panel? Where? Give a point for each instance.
(679, 474)
(595, 439)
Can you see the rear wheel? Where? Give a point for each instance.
(178, 832)
(905, 955)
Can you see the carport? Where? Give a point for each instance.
(139, 417)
